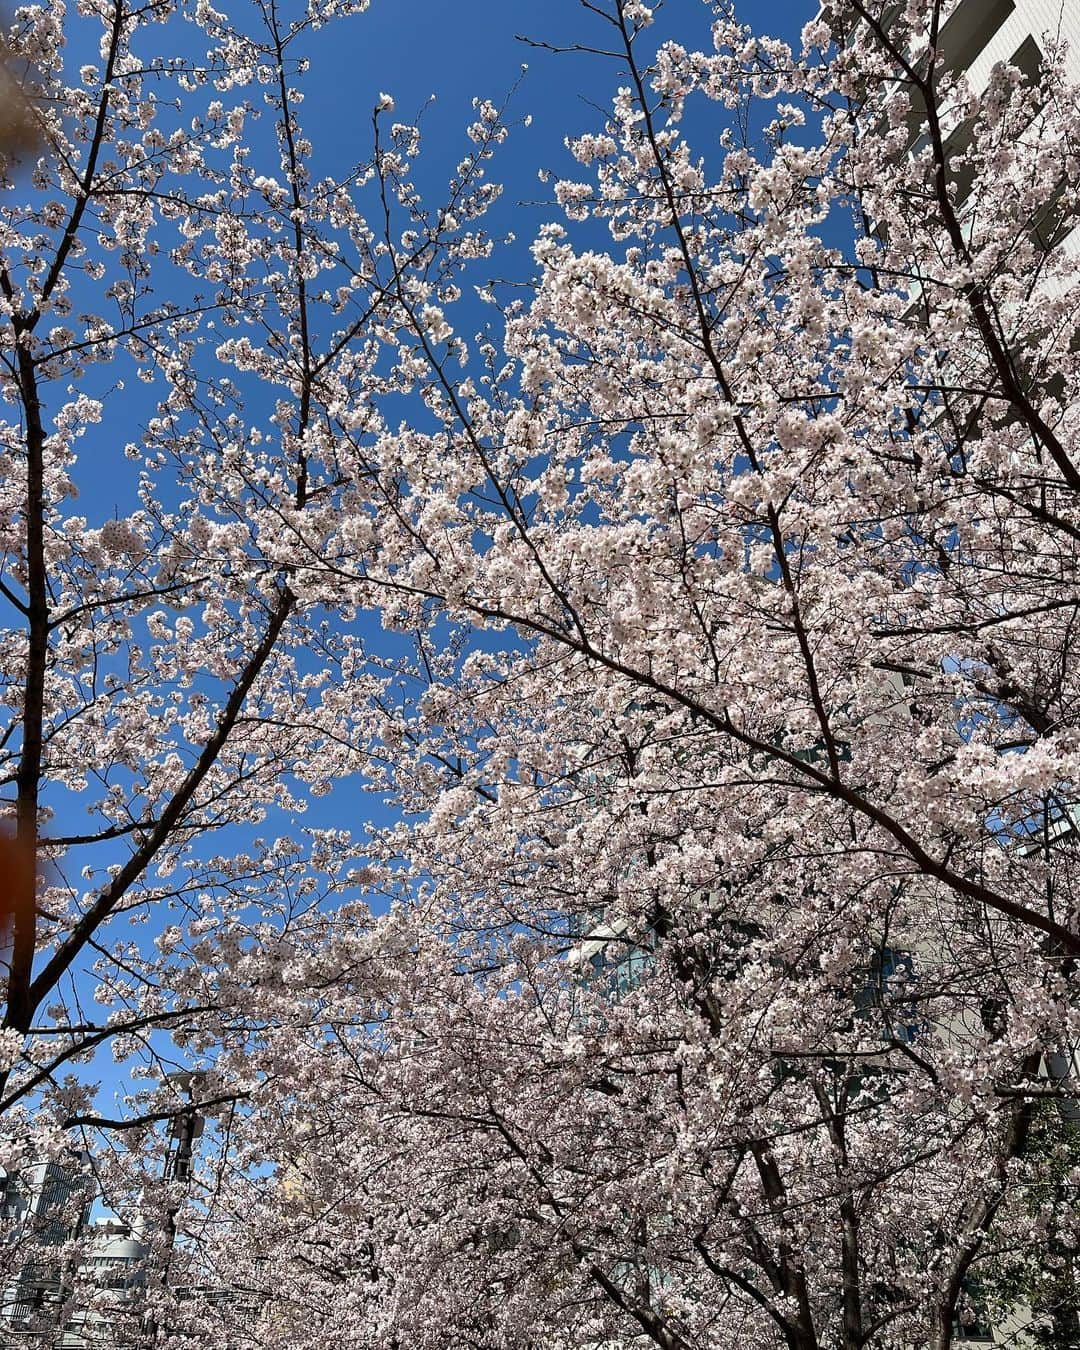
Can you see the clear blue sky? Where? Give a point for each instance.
(458, 49)
(452, 50)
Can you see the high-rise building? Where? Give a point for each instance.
(980, 34)
(42, 1208)
(977, 34)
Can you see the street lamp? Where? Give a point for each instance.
(185, 1126)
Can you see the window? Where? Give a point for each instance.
(889, 994)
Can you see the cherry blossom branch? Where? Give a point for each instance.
(167, 818)
(1001, 358)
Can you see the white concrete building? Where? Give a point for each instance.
(979, 33)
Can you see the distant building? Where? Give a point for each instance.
(110, 1287)
(977, 36)
(42, 1208)
(81, 1284)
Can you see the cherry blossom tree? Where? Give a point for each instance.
(735, 947)
(174, 695)
(730, 953)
